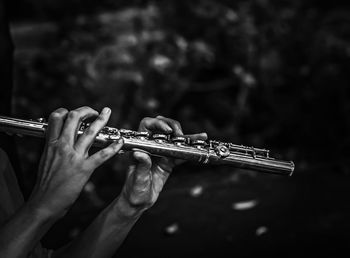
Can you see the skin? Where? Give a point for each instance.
(66, 167)
(146, 181)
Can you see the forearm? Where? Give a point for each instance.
(106, 233)
(23, 231)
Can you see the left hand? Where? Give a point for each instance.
(146, 178)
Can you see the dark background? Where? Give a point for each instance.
(262, 73)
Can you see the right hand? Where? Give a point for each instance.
(65, 165)
(148, 174)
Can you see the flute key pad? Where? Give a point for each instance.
(199, 144)
(160, 138)
(179, 140)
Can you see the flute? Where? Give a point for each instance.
(178, 147)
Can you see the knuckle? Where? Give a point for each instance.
(84, 107)
(73, 114)
(54, 116)
(88, 109)
(147, 122)
(90, 131)
(62, 110)
(58, 114)
(71, 156)
(138, 201)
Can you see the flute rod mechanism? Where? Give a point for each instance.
(206, 152)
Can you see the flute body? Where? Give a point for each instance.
(206, 152)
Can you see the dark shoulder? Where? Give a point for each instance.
(7, 174)
(10, 194)
(4, 161)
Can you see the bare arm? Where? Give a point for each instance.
(145, 180)
(65, 168)
(23, 231)
(104, 235)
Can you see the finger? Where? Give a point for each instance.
(88, 137)
(98, 158)
(56, 121)
(42, 165)
(161, 169)
(154, 125)
(163, 166)
(130, 171)
(175, 125)
(168, 164)
(73, 120)
(142, 174)
(160, 176)
(197, 136)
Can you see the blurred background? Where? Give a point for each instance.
(263, 73)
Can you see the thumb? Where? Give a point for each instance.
(142, 173)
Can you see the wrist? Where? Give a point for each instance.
(125, 210)
(39, 211)
(36, 216)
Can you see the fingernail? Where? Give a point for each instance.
(168, 128)
(117, 143)
(106, 110)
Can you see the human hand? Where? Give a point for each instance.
(146, 178)
(65, 165)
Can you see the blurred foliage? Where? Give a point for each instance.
(262, 73)
(265, 73)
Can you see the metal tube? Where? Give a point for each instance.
(212, 152)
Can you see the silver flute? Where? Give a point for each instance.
(179, 147)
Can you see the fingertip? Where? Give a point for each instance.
(178, 129)
(142, 157)
(178, 132)
(117, 145)
(166, 127)
(106, 111)
(204, 135)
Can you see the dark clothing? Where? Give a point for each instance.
(11, 199)
(10, 195)
(7, 143)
